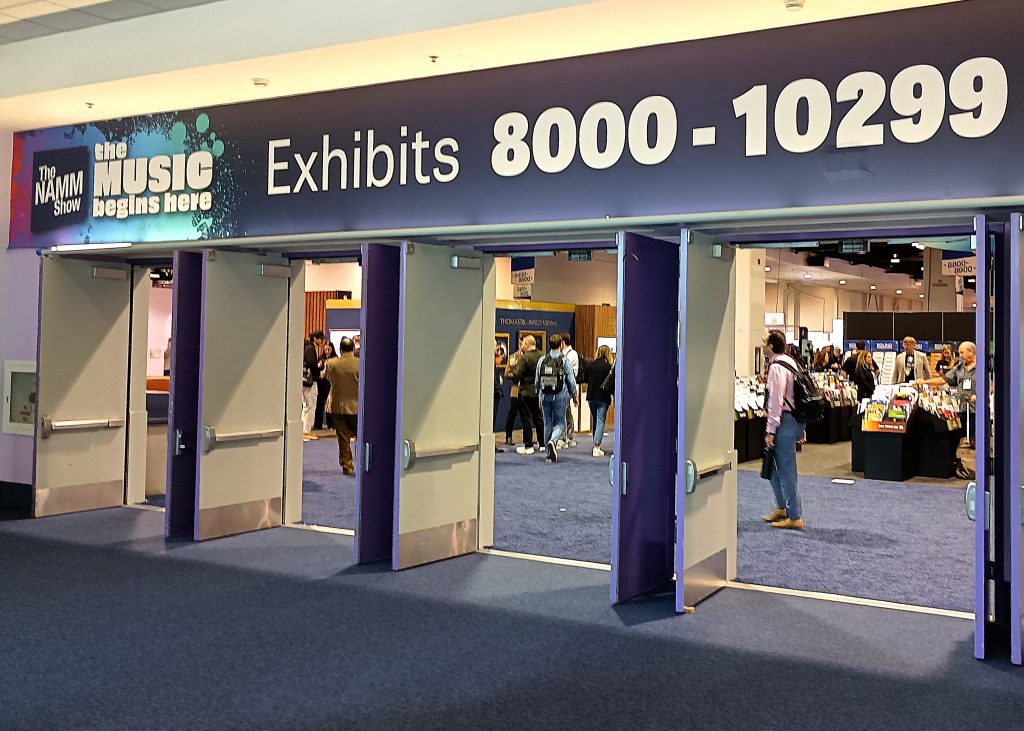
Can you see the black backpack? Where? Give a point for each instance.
(809, 406)
(552, 374)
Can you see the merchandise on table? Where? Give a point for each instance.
(889, 408)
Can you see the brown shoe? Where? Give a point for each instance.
(775, 515)
(789, 524)
(347, 472)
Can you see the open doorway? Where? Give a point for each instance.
(886, 325)
(555, 502)
(331, 350)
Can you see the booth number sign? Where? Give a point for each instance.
(972, 101)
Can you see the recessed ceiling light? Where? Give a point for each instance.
(873, 287)
(895, 260)
(918, 246)
(767, 269)
(807, 276)
(970, 279)
(975, 305)
(842, 281)
(899, 291)
(920, 296)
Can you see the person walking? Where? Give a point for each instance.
(310, 376)
(343, 374)
(525, 374)
(515, 403)
(554, 382)
(573, 359)
(782, 435)
(597, 397)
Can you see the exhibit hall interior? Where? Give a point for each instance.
(588, 333)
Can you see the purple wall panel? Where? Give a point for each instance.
(981, 438)
(183, 414)
(645, 417)
(1013, 259)
(378, 374)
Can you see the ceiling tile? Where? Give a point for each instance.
(7, 19)
(176, 4)
(23, 30)
(120, 10)
(32, 9)
(68, 20)
(75, 4)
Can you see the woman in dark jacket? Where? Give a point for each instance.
(864, 375)
(597, 397)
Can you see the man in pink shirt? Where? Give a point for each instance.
(783, 432)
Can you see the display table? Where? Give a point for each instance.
(889, 456)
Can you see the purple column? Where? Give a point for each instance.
(981, 437)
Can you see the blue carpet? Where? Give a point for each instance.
(562, 509)
(328, 497)
(276, 629)
(899, 542)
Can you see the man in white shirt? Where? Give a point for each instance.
(573, 359)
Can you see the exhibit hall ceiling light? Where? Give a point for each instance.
(208, 54)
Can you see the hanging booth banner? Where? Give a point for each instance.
(915, 105)
(961, 266)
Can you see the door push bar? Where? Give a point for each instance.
(695, 474)
(51, 425)
(410, 454)
(211, 438)
(970, 503)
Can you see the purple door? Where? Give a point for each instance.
(183, 410)
(982, 338)
(645, 416)
(378, 374)
(1012, 404)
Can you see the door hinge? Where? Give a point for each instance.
(624, 478)
(367, 457)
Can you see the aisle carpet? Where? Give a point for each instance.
(328, 497)
(562, 509)
(900, 542)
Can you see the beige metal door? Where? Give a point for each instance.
(444, 403)
(706, 490)
(81, 412)
(244, 383)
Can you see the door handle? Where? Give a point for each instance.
(367, 457)
(623, 478)
(179, 443)
(970, 500)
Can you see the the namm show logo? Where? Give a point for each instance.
(60, 180)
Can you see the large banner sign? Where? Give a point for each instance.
(917, 105)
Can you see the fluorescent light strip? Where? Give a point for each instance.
(89, 247)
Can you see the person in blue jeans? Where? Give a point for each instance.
(783, 433)
(597, 397)
(555, 382)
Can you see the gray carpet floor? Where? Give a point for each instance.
(107, 625)
(328, 496)
(901, 542)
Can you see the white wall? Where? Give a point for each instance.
(159, 328)
(819, 305)
(19, 298)
(580, 282)
(347, 276)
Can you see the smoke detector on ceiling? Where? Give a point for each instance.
(793, 4)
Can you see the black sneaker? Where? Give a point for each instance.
(552, 452)
(509, 443)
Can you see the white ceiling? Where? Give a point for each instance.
(194, 58)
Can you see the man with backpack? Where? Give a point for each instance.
(792, 400)
(555, 382)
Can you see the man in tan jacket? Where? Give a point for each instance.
(343, 373)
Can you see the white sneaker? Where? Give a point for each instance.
(571, 443)
(525, 450)
(560, 444)
(598, 452)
